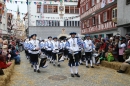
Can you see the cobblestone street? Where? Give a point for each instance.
(24, 75)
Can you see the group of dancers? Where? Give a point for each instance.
(56, 50)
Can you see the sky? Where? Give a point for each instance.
(13, 7)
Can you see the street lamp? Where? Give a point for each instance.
(28, 18)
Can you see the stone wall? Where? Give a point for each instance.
(44, 32)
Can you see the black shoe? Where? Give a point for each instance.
(31, 65)
(77, 75)
(92, 66)
(58, 65)
(38, 71)
(34, 70)
(120, 71)
(81, 64)
(87, 66)
(72, 75)
(53, 64)
(50, 62)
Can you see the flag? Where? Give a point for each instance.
(103, 3)
(18, 10)
(110, 1)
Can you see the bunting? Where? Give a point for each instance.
(41, 16)
(37, 2)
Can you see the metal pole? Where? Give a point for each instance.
(28, 18)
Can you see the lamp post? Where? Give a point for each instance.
(28, 18)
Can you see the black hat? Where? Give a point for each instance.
(54, 38)
(73, 33)
(49, 37)
(33, 35)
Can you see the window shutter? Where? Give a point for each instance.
(95, 2)
(91, 22)
(101, 16)
(96, 20)
(108, 15)
(80, 10)
(90, 4)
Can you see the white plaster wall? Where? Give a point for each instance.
(4, 22)
(33, 11)
(123, 12)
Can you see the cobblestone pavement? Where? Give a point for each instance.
(24, 75)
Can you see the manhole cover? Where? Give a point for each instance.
(57, 77)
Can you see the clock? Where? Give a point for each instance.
(61, 8)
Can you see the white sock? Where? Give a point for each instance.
(91, 62)
(53, 61)
(86, 62)
(80, 61)
(71, 70)
(76, 69)
(37, 67)
(98, 61)
(34, 66)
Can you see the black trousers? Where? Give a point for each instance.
(34, 58)
(73, 61)
(88, 55)
(120, 58)
(49, 53)
(53, 56)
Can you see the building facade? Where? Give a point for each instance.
(123, 18)
(18, 29)
(3, 20)
(54, 15)
(98, 17)
(25, 18)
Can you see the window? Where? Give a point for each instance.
(93, 2)
(55, 9)
(66, 9)
(38, 8)
(47, 23)
(127, 2)
(94, 20)
(76, 10)
(45, 9)
(49, 8)
(86, 6)
(104, 16)
(71, 9)
(65, 23)
(114, 13)
(71, 23)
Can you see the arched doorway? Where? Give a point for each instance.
(62, 37)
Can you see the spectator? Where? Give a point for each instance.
(124, 66)
(16, 55)
(3, 64)
(122, 46)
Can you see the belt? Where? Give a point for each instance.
(34, 50)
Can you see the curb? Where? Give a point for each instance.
(4, 79)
